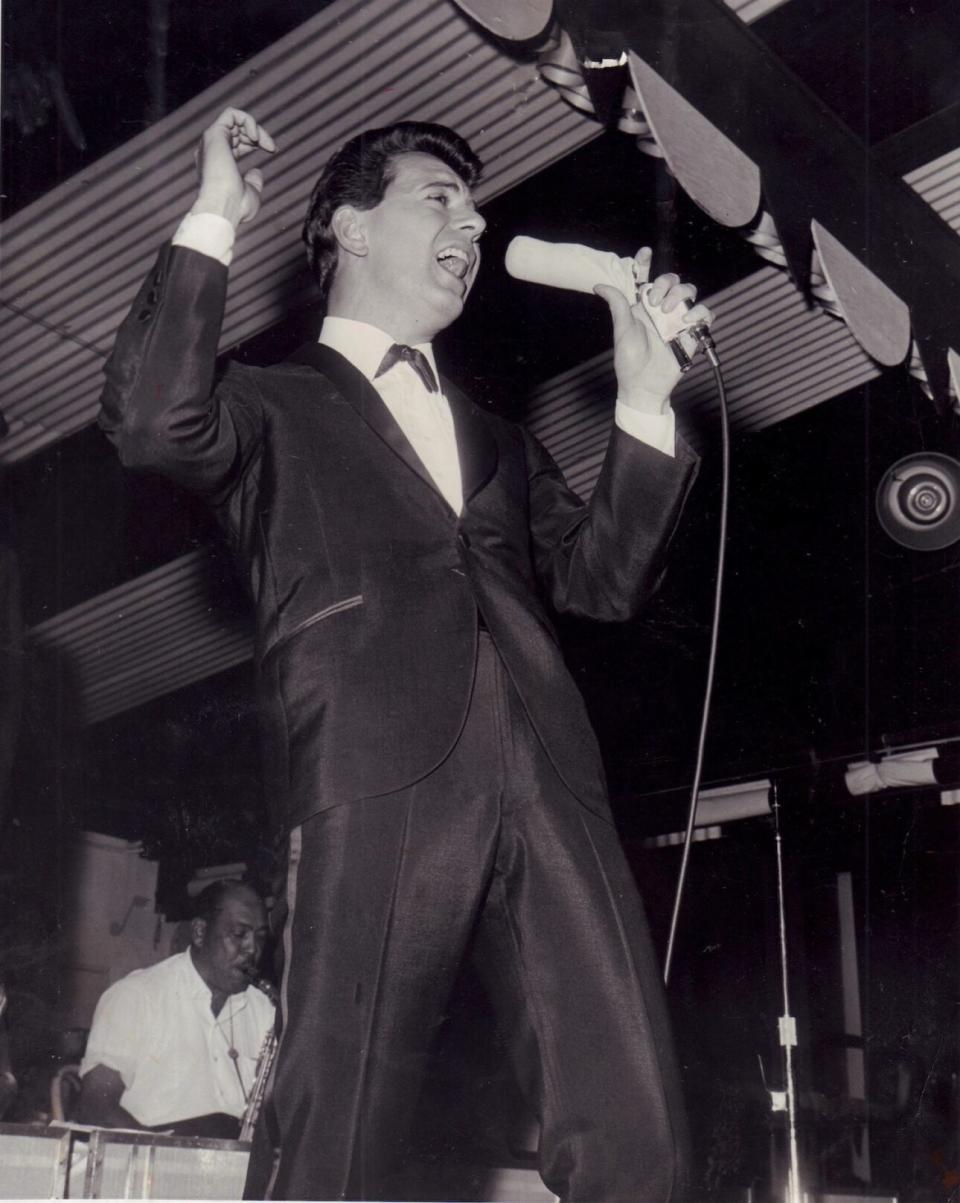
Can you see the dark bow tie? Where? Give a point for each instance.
(416, 359)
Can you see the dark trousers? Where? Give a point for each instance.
(385, 896)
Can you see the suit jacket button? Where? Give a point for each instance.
(144, 315)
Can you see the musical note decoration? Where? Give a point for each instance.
(137, 901)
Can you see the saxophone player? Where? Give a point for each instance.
(176, 1046)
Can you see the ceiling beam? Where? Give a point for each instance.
(74, 259)
(768, 339)
(814, 170)
(930, 139)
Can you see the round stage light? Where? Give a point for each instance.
(918, 501)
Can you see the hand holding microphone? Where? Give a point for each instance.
(656, 329)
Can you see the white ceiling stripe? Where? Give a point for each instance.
(134, 690)
(128, 678)
(939, 185)
(114, 600)
(55, 265)
(75, 257)
(779, 358)
(161, 632)
(325, 44)
(134, 634)
(768, 338)
(752, 10)
(148, 636)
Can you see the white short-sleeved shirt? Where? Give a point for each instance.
(156, 1029)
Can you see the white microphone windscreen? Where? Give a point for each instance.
(568, 265)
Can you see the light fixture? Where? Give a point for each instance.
(918, 501)
(515, 20)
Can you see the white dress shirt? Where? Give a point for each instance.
(155, 1028)
(424, 417)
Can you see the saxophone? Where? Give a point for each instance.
(268, 1052)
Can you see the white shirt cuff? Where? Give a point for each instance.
(208, 233)
(657, 430)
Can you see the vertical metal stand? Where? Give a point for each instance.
(787, 1025)
(94, 1174)
(60, 1186)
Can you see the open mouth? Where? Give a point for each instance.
(455, 260)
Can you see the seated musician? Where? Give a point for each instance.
(175, 1047)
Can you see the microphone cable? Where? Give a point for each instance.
(710, 350)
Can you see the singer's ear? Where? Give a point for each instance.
(198, 932)
(349, 230)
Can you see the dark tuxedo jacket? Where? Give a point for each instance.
(367, 586)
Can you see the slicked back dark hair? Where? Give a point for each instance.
(358, 175)
(210, 901)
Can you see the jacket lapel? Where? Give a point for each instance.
(354, 387)
(476, 446)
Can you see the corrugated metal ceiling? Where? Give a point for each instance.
(73, 260)
(159, 633)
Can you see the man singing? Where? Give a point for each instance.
(427, 749)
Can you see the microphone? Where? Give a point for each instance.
(578, 268)
(568, 265)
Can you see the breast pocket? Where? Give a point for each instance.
(337, 607)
